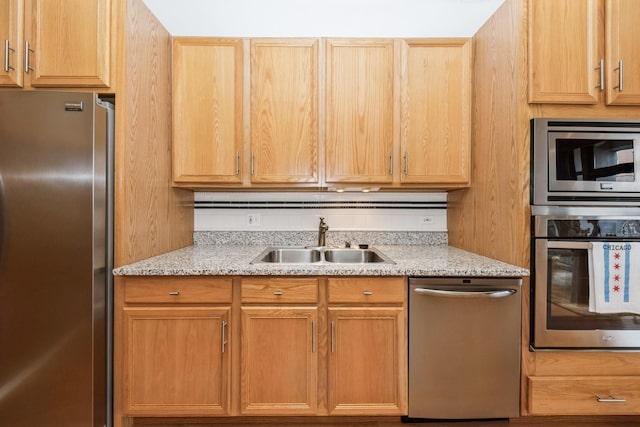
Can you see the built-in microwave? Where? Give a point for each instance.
(585, 161)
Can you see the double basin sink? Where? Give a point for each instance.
(315, 255)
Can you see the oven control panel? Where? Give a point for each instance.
(593, 228)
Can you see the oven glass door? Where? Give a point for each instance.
(601, 162)
(562, 315)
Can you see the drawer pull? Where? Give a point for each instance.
(174, 293)
(367, 293)
(278, 292)
(610, 399)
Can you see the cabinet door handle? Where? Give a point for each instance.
(601, 68)
(391, 164)
(313, 336)
(333, 336)
(620, 70)
(7, 51)
(252, 162)
(237, 163)
(27, 50)
(406, 163)
(610, 399)
(224, 334)
(174, 293)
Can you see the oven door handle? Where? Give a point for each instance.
(493, 293)
(564, 244)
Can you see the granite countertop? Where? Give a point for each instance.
(427, 260)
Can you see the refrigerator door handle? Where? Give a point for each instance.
(493, 293)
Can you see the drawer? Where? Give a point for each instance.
(391, 290)
(285, 290)
(178, 290)
(584, 395)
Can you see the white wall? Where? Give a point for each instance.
(323, 18)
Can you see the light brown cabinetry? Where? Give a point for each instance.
(575, 57)
(175, 336)
(360, 104)
(367, 346)
(12, 38)
(622, 52)
(207, 110)
(308, 113)
(270, 346)
(284, 111)
(65, 43)
(584, 395)
(279, 356)
(435, 139)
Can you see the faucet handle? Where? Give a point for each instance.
(323, 225)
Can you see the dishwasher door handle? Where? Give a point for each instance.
(494, 293)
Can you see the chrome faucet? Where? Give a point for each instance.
(322, 232)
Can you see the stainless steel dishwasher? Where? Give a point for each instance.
(464, 348)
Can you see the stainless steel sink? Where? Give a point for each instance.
(353, 255)
(290, 255)
(319, 255)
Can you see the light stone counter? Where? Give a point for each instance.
(223, 260)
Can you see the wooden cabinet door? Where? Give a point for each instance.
(11, 36)
(367, 361)
(435, 137)
(359, 111)
(207, 110)
(176, 361)
(622, 52)
(284, 111)
(70, 42)
(279, 361)
(564, 51)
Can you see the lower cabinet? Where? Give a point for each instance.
(367, 346)
(260, 346)
(175, 346)
(584, 395)
(366, 350)
(279, 372)
(176, 361)
(279, 355)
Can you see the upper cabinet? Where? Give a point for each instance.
(11, 34)
(622, 55)
(207, 110)
(63, 43)
(314, 113)
(574, 57)
(435, 136)
(284, 111)
(359, 114)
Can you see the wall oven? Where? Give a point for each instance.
(585, 162)
(566, 313)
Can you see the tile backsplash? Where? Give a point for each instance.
(292, 218)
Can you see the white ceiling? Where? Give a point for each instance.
(323, 18)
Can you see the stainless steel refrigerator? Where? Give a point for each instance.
(55, 259)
